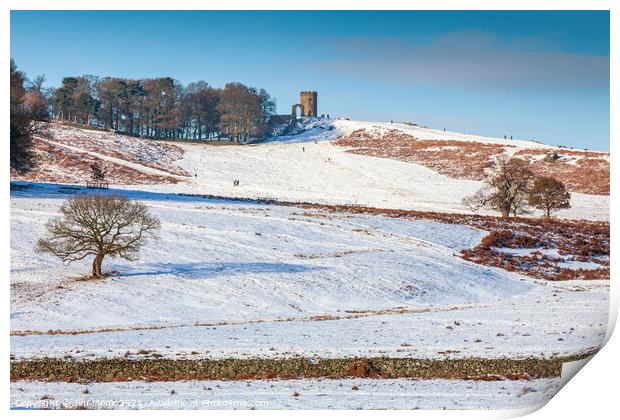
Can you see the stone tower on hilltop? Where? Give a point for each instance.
(307, 99)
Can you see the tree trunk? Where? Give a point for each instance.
(97, 266)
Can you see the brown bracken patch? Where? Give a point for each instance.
(456, 159)
(575, 241)
(581, 171)
(362, 369)
(152, 153)
(56, 164)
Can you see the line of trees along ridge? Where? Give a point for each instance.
(163, 108)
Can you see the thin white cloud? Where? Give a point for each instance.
(470, 60)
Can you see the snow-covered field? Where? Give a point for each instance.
(559, 321)
(302, 283)
(291, 394)
(232, 279)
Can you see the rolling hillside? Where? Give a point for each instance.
(347, 241)
(251, 279)
(332, 162)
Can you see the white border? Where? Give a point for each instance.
(592, 395)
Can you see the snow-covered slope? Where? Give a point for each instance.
(317, 263)
(310, 167)
(329, 129)
(344, 127)
(244, 279)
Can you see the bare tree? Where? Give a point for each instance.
(37, 83)
(98, 225)
(97, 174)
(549, 195)
(506, 190)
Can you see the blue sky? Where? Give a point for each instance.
(533, 75)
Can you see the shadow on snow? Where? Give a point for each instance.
(25, 189)
(205, 270)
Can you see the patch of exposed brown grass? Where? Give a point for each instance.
(152, 153)
(456, 159)
(58, 165)
(574, 240)
(581, 171)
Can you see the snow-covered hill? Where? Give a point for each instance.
(256, 279)
(397, 171)
(309, 167)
